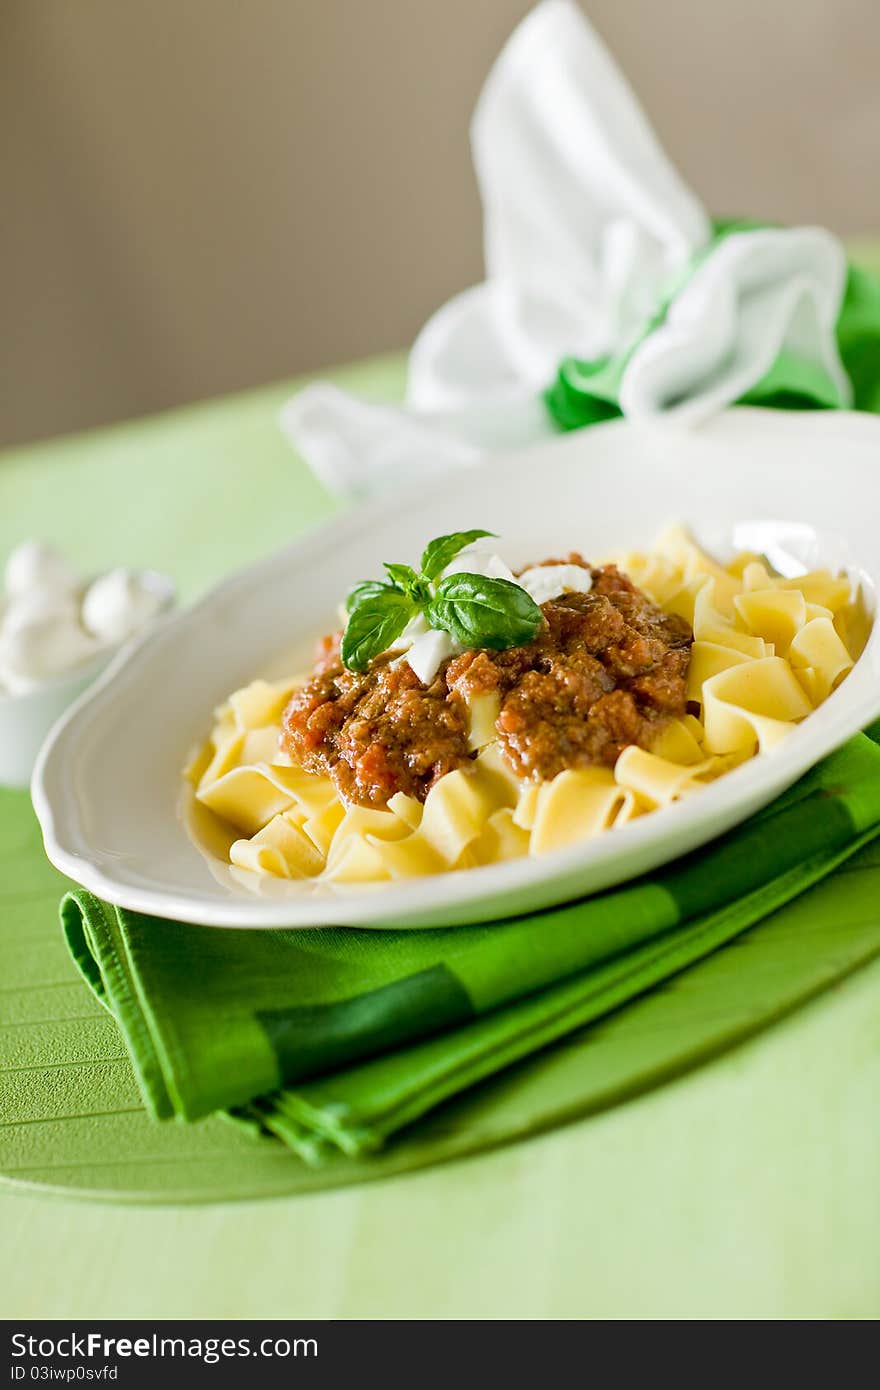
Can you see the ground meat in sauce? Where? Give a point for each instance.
(609, 669)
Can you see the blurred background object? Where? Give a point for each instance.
(201, 195)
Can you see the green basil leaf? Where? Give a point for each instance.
(483, 612)
(370, 588)
(404, 577)
(440, 551)
(374, 626)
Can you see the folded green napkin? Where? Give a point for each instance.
(336, 1039)
(585, 393)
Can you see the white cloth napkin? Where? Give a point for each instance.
(586, 227)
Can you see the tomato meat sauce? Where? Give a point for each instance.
(608, 669)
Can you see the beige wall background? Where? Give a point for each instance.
(202, 195)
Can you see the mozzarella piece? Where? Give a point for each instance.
(544, 582)
(121, 601)
(428, 652)
(415, 628)
(425, 648)
(33, 565)
(474, 562)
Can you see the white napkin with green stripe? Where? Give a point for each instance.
(595, 249)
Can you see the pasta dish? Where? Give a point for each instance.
(464, 714)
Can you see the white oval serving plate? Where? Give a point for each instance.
(107, 787)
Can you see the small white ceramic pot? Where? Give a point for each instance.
(26, 718)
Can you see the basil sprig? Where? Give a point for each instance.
(476, 610)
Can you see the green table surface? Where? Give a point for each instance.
(745, 1189)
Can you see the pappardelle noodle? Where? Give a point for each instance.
(455, 724)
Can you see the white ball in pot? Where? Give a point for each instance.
(40, 646)
(38, 603)
(120, 602)
(34, 566)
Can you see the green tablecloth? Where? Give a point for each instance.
(748, 1189)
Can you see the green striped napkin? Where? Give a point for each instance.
(336, 1039)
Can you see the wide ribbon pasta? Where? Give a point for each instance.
(767, 650)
